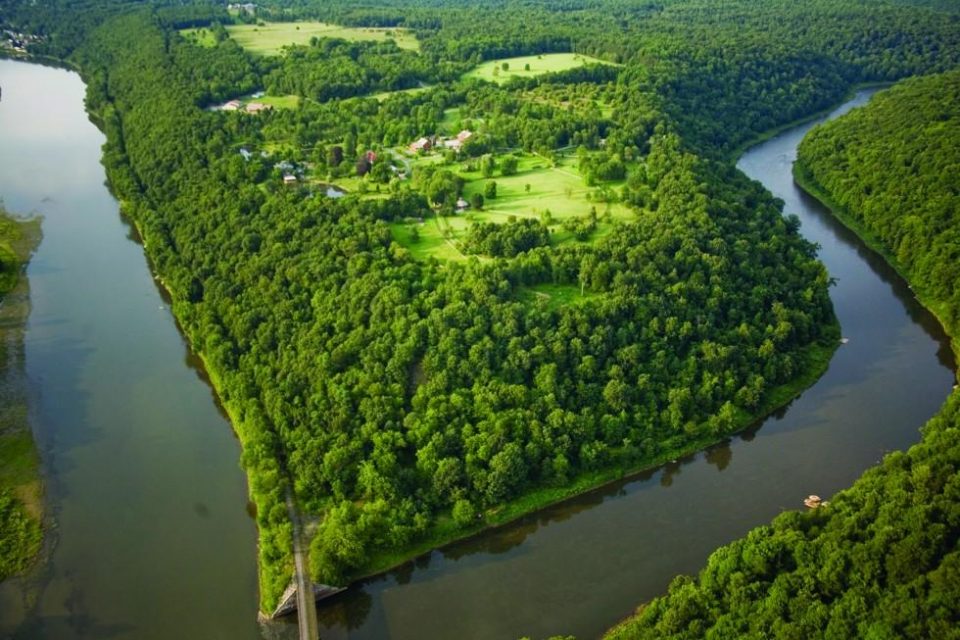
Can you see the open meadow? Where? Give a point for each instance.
(529, 66)
(268, 39)
(538, 190)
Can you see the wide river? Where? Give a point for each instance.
(152, 536)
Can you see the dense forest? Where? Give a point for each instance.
(892, 170)
(408, 401)
(882, 560)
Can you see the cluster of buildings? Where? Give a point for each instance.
(428, 144)
(17, 41)
(250, 107)
(247, 7)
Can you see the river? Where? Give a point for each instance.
(153, 539)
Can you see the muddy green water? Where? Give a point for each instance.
(153, 539)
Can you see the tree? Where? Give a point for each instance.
(363, 165)
(490, 190)
(508, 166)
(336, 156)
(464, 513)
(487, 166)
(476, 201)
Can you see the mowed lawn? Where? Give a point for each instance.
(269, 39)
(516, 67)
(558, 189)
(279, 102)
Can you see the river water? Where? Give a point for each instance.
(153, 539)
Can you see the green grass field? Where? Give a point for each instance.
(269, 39)
(558, 189)
(450, 124)
(555, 295)
(277, 102)
(202, 36)
(492, 70)
(385, 95)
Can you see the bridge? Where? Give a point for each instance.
(302, 594)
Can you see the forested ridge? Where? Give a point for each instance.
(882, 560)
(409, 401)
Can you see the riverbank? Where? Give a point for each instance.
(21, 485)
(772, 133)
(805, 180)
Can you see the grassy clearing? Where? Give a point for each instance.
(450, 124)
(269, 39)
(558, 189)
(201, 37)
(555, 295)
(278, 102)
(386, 95)
(493, 71)
(435, 237)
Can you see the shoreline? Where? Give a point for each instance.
(738, 151)
(806, 182)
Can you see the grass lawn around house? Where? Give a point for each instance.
(278, 102)
(559, 189)
(270, 38)
(492, 70)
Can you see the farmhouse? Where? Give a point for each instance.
(233, 105)
(462, 205)
(255, 107)
(422, 144)
(289, 178)
(248, 7)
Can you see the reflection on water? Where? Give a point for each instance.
(152, 537)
